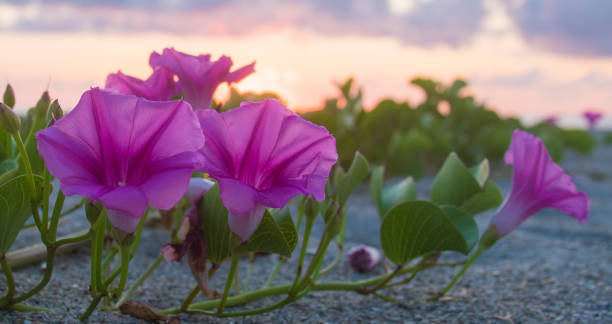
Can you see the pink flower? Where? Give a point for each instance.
(551, 120)
(363, 258)
(125, 151)
(262, 154)
(592, 118)
(160, 86)
(537, 183)
(199, 77)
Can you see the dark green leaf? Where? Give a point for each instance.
(354, 176)
(14, 210)
(217, 235)
(491, 197)
(465, 224)
(416, 228)
(454, 184)
(397, 193)
(273, 235)
(579, 140)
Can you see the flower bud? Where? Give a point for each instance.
(56, 110)
(9, 96)
(9, 119)
(42, 106)
(363, 258)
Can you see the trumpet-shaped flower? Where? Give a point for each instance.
(537, 183)
(262, 154)
(160, 86)
(124, 151)
(592, 118)
(198, 76)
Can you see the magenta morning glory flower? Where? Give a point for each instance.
(363, 258)
(198, 76)
(160, 86)
(262, 154)
(537, 183)
(592, 118)
(125, 151)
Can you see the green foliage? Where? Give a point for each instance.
(14, 210)
(347, 182)
(454, 184)
(410, 139)
(387, 197)
(275, 234)
(217, 235)
(416, 228)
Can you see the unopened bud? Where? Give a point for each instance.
(9, 119)
(363, 258)
(9, 96)
(56, 111)
(42, 106)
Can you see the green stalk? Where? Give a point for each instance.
(228, 282)
(57, 209)
(305, 239)
(46, 277)
(28, 167)
(125, 264)
(97, 297)
(45, 202)
(274, 273)
(137, 234)
(7, 300)
(247, 280)
(139, 282)
(468, 263)
(74, 239)
(192, 295)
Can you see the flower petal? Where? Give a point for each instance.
(125, 206)
(245, 225)
(197, 188)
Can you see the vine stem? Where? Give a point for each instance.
(192, 295)
(228, 282)
(125, 265)
(7, 300)
(274, 272)
(468, 263)
(139, 282)
(305, 239)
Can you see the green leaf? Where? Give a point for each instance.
(417, 228)
(491, 197)
(14, 210)
(481, 172)
(465, 223)
(397, 193)
(354, 176)
(579, 140)
(217, 235)
(454, 184)
(274, 235)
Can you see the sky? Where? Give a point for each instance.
(527, 58)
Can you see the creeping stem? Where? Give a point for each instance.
(468, 263)
(7, 300)
(228, 282)
(139, 282)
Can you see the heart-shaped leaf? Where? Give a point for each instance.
(415, 228)
(14, 210)
(465, 223)
(217, 235)
(274, 235)
(454, 184)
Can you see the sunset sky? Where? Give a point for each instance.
(529, 58)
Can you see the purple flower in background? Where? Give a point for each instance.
(125, 151)
(537, 183)
(592, 118)
(363, 258)
(160, 86)
(199, 77)
(262, 154)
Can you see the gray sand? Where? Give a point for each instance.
(550, 269)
